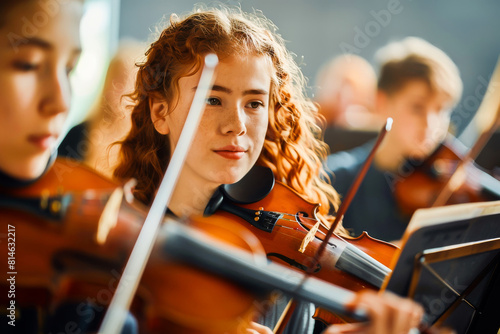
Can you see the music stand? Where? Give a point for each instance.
(449, 262)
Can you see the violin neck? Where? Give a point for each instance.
(185, 244)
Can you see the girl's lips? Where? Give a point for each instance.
(42, 141)
(233, 155)
(233, 152)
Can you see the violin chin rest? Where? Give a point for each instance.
(253, 187)
(214, 203)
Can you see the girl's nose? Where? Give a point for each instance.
(57, 94)
(233, 122)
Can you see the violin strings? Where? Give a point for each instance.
(302, 217)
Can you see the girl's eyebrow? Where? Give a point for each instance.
(256, 92)
(42, 44)
(35, 41)
(223, 89)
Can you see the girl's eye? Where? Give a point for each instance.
(255, 104)
(25, 66)
(212, 101)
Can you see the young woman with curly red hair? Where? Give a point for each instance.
(256, 113)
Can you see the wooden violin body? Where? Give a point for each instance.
(67, 251)
(282, 220)
(72, 240)
(421, 187)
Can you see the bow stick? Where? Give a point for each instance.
(120, 303)
(340, 214)
(350, 194)
(487, 120)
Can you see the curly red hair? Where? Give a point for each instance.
(292, 148)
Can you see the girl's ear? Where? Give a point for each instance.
(158, 110)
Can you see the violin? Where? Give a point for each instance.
(72, 239)
(281, 220)
(449, 175)
(421, 188)
(291, 232)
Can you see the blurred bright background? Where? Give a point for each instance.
(316, 31)
(99, 38)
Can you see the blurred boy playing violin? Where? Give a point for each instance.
(418, 85)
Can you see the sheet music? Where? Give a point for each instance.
(439, 282)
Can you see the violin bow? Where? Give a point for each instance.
(351, 192)
(338, 217)
(487, 120)
(129, 281)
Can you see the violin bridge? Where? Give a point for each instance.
(309, 237)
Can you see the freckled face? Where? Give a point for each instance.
(34, 84)
(233, 127)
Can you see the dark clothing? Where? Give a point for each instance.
(340, 139)
(8, 182)
(67, 318)
(373, 208)
(75, 143)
